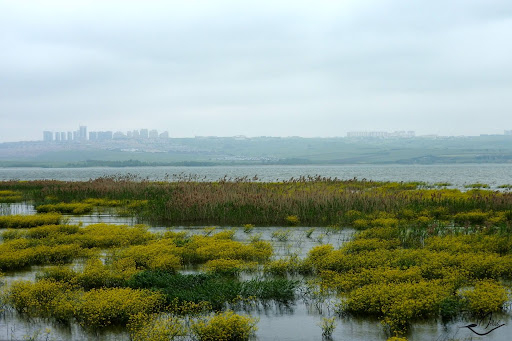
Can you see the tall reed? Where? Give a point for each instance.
(309, 200)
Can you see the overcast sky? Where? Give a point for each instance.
(256, 68)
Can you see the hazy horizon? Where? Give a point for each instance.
(228, 68)
(40, 138)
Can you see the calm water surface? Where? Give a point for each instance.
(458, 175)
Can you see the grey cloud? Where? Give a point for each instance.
(380, 59)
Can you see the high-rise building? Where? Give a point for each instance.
(135, 134)
(164, 135)
(153, 134)
(367, 134)
(100, 135)
(70, 136)
(47, 136)
(118, 135)
(57, 136)
(62, 136)
(83, 133)
(381, 134)
(144, 134)
(104, 135)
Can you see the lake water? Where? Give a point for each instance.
(458, 175)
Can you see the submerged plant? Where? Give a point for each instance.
(255, 237)
(281, 235)
(248, 228)
(328, 325)
(310, 232)
(209, 230)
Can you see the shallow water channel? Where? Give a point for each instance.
(297, 321)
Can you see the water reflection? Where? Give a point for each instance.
(16, 327)
(16, 208)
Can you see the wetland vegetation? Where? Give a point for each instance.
(419, 253)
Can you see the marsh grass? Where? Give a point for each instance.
(8, 196)
(215, 289)
(307, 200)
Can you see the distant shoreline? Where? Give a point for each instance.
(195, 164)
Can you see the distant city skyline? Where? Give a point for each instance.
(38, 136)
(82, 134)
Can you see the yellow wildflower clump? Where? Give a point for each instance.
(292, 220)
(286, 266)
(487, 296)
(17, 254)
(107, 306)
(72, 208)
(104, 202)
(95, 274)
(224, 266)
(56, 232)
(156, 255)
(399, 303)
(107, 235)
(201, 249)
(151, 327)
(45, 298)
(385, 222)
(347, 281)
(226, 326)
(95, 308)
(10, 196)
(24, 221)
